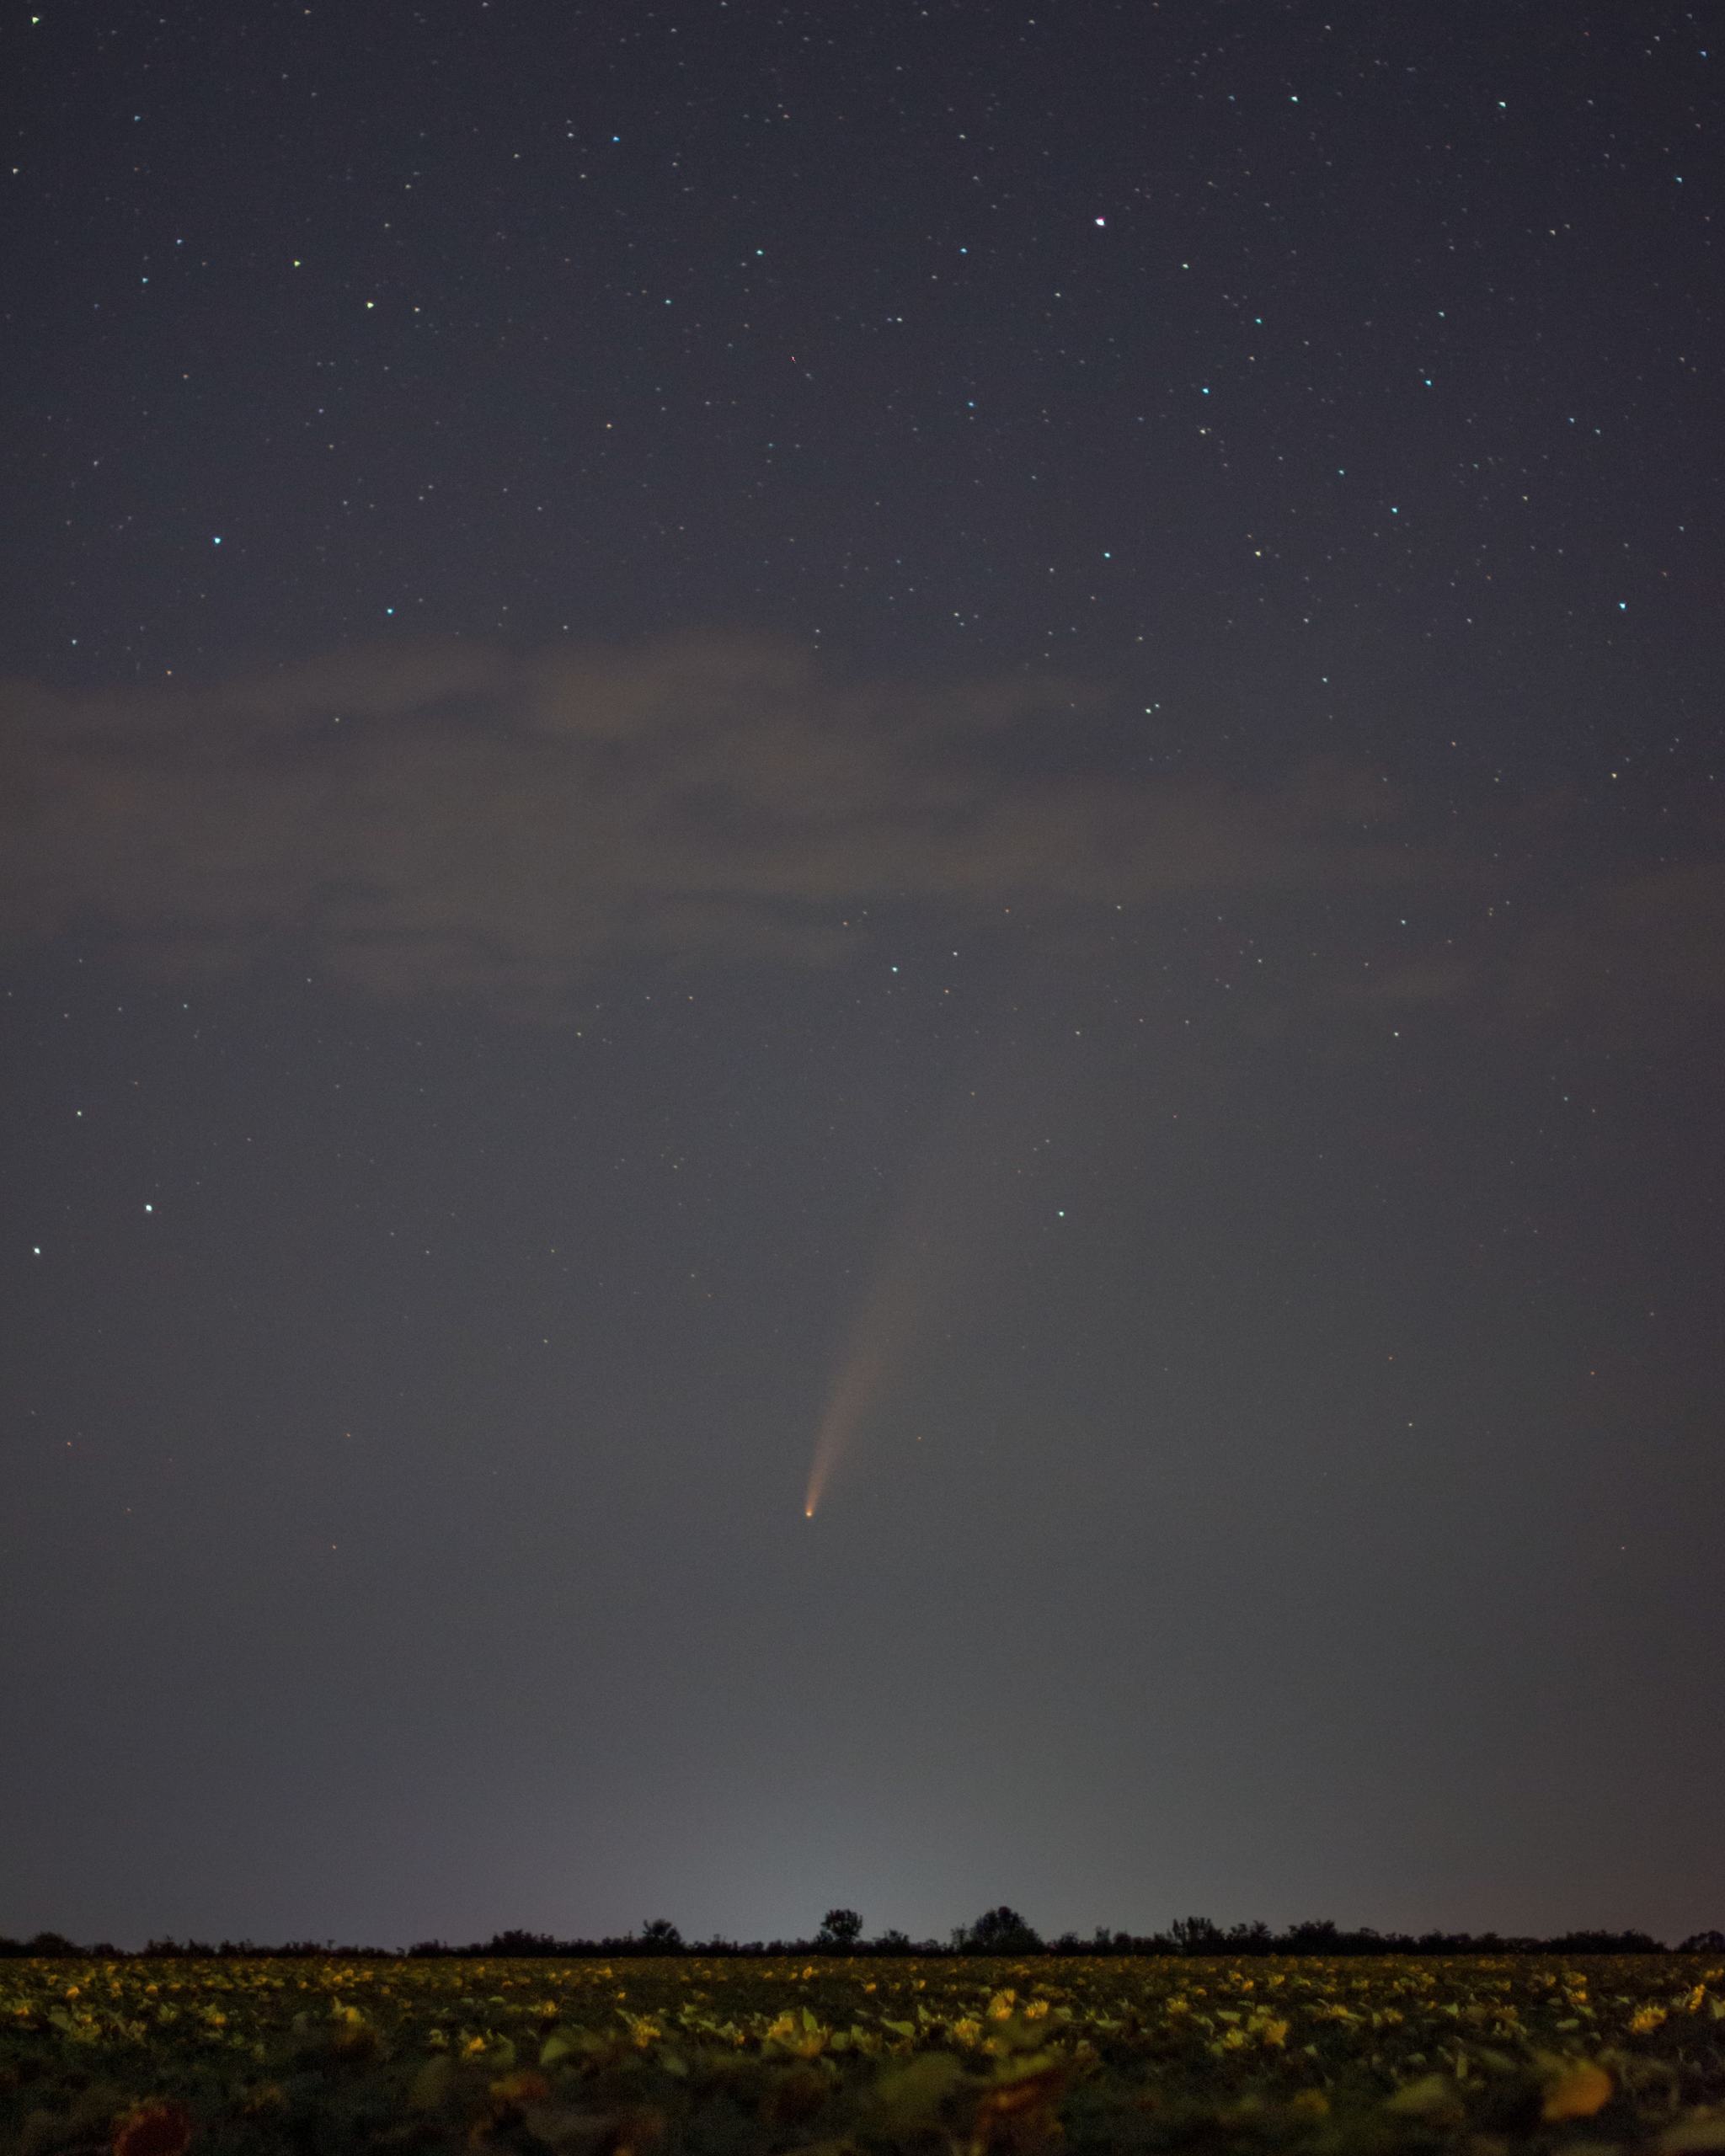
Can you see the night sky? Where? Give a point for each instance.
(960, 763)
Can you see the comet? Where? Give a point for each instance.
(880, 1338)
(936, 1243)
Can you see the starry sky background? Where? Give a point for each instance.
(1021, 698)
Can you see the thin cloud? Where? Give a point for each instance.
(450, 818)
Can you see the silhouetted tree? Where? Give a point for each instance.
(1198, 1936)
(840, 1931)
(997, 1931)
(661, 1936)
(1317, 1935)
(1607, 1942)
(1704, 1942)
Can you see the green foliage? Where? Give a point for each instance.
(866, 2056)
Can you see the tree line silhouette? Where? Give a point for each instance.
(1000, 1931)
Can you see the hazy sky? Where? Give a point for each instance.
(970, 748)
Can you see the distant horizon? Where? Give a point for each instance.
(1194, 1938)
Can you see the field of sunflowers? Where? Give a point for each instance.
(843, 2057)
